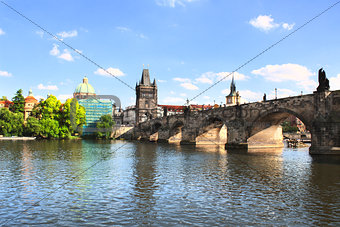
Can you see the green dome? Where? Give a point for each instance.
(85, 87)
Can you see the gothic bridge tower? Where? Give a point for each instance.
(146, 98)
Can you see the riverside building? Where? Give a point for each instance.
(94, 106)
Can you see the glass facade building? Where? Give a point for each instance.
(95, 108)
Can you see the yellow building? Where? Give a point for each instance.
(30, 102)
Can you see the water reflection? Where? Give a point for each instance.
(161, 184)
(212, 148)
(27, 175)
(145, 181)
(324, 188)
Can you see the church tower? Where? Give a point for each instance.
(146, 98)
(234, 97)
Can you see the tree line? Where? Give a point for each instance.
(49, 119)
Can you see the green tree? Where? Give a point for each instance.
(81, 118)
(104, 126)
(11, 124)
(32, 127)
(72, 116)
(287, 127)
(18, 102)
(50, 108)
(49, 128)
(4, 98)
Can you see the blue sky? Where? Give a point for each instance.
(188, 45)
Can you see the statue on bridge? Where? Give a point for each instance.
(323, 81)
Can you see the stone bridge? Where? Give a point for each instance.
(253, 125)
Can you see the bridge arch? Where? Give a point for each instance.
(265, 130)
(175, 133)
(155, 127)
(212, 131)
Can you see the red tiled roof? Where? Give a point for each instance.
(181, 108)
(31, 99)
(7, 103)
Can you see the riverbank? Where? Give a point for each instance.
(17, 138)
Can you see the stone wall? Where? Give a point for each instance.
(254, 124)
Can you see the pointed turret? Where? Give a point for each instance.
(30, 93)
(154, 82)
(232, 87)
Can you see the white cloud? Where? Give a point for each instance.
(282, 93)
(206, 78)
(2, 32)
(288, 72)
(308, 85)
(38, 97)
(142, 36)
(250, 96)
(206, 97)
(284, 72)
(113, 71)
(263, 22)
(40, 33)
(183, 94)
(211, 77)
(161, 81)
(123, 29)
(179, 79)
(126, 29)
(174, 100)
(173, 3)
(288, 26)
(334, 82)
(189, 86)
(48, 87)
(69, 34)
(225, 91)
(246, 95)
(66, 55)
(5, 74)
(228, 76)
(64, 97)
(55, 51)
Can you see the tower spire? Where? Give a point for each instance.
(232, 86)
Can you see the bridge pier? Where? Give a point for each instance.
(176, 136)
(253, 125)
(269, 137)
(325, 138)
(214, 136)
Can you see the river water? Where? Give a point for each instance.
(96, 183)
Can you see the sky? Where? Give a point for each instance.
(188, 45)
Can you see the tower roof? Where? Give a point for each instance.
(85, 87)
(232, 87)
(145, 78)
(30, 98)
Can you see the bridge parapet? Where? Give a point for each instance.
(255, 124)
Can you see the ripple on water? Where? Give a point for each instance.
(149, 184)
